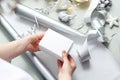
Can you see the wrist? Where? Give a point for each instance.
(26, 41)
(64, 77)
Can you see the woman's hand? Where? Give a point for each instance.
(34, 42)
(13, 49)
(66, 68)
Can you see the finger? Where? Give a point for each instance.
(64, 56)
(71, 61)
(59, 63)
(37, 49)
(33, 49)
(70, 58)
(41, 35)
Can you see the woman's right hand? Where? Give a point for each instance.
(66, 68)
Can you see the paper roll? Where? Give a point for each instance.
(30, 14)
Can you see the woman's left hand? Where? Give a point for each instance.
(34, 42)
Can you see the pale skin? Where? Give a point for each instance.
(13, 49)
(66, 67)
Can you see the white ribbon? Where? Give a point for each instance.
(98, 22)
(83, 53)
(93, 5)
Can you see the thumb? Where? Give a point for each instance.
(40, 36)
(64, 56)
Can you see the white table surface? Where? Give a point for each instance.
(113, 46)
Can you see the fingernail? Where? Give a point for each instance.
(64, 52)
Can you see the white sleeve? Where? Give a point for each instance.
(10, 72)
(116, 77)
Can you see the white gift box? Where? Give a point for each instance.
(54, 43)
